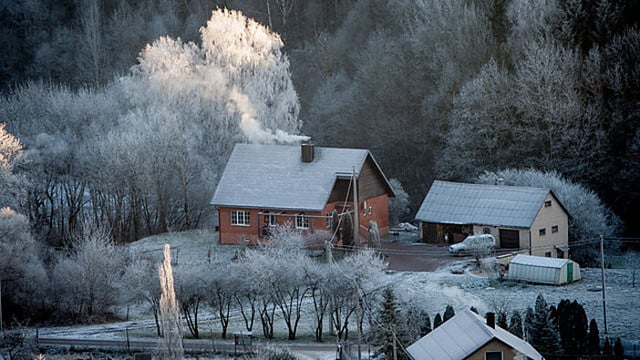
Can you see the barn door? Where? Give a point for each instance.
(509, 239)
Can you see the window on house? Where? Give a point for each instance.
(302, 221)
(329, 220)
(554, 229)
(270, 219)
(547, 203)
(493, 355)
(542, 232)
(547, 254)
(240, 217)
(370, 210)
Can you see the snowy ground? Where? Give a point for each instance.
(432, 289)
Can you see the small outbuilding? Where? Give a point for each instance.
(543, 270)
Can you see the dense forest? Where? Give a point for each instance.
(127, 110)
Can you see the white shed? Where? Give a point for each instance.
(544, 270)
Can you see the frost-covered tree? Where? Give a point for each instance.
(502, 320)
(12, 186)
(85, 278)
(171, 343)
(22, 273)
(398, 205)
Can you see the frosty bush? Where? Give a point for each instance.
(86, 278)
(22, 274)
(399, 205)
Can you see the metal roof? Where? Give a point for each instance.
(274, 176)
(539, 261)
(476, 204)
(462, 335)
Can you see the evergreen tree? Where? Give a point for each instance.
(347, 231)
(389, 327)
(502, 320)
(571, 322)
(515, 326)
(425, 323)
(448, 313)
(542, 335)
(528, 323)
(437, 321)
(607, 350)
(593, 342)
(335, 225)
(618, 350)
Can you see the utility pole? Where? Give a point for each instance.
(604, 284)
(356, 210)
(359, 313)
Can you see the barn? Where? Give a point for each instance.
(543, 270)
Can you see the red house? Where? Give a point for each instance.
(264, 186)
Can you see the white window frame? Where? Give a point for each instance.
(547, 203)
(329, 220)
(271, 219)
(302, 221)
(240, 218)
(542, 232)
(554, 229)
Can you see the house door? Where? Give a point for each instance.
(509, 239)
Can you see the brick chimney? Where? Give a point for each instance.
(491, 320)
(307, 151)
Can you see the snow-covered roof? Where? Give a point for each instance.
(539, 261)
(274, 176)
(477, 204)
(462, 335)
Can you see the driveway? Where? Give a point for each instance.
(404, 253)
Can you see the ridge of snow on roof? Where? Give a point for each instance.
(462, 335)
(496, 205)
(274, 176)
(539, 261)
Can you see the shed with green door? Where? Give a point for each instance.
(543, 270)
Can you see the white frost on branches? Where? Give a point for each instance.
(169, 311)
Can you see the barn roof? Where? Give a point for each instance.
(462, 335)
(478, 204)
(274, 177)
(539, 261)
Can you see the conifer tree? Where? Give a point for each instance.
(389, 325)
(571, 322)
(425, 323)
(347, 231)
(515, 326)
(618, 350)
(593, 346)
(502, 320)
(607, 350)
(437, 321)
(542, 335)
(528, 323)
(448, 313)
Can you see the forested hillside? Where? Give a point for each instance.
(127, 110)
